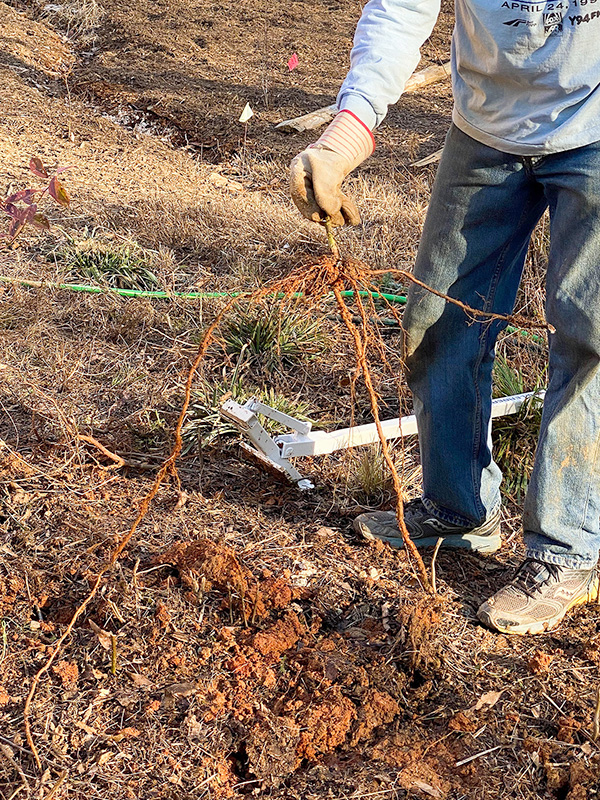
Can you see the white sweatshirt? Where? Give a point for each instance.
(525, 73)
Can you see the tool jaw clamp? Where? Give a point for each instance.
(266, 448)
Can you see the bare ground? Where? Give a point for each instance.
(246, 642)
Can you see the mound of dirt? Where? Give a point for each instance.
(204, 565)
(326, 724)
(271, 747)
(418, 623)
(280, 637)
(215, 563)
(376, 709)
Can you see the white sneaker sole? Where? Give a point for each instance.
(532, 628)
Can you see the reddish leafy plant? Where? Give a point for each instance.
(22, 206)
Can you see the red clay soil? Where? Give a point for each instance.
(280, 637)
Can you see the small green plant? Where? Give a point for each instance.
(23, 206)
(515, 437)
(121, 266)
(507, 380)
(272, 337)
(150, 430)
(368, 479)
(204, 424)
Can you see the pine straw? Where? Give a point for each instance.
(315, 279)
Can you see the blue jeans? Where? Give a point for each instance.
(484, 207)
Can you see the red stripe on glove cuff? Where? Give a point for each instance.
(348, 136)
(360, 122)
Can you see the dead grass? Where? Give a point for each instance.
(343, 685)
(78, 18)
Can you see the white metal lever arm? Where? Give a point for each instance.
(319, 443)
(314, 443)
(246, 421)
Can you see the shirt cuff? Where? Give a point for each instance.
(360, 107)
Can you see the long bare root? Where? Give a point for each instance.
(168, 467)
(312, 280)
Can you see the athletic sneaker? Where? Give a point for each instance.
(538, 597)
(426, 529)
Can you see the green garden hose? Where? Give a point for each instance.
(77, 287)
(399, 299)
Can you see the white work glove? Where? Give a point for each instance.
(316, 174)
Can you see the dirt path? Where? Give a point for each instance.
(197, 64)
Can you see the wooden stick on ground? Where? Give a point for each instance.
(432, 158)
(310, 121)
(315, 119)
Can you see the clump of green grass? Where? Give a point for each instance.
(272, 337)
(118, 265)
(515, 437)
(204, 425)
(368, 479)
(507, 380)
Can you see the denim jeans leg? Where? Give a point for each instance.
(562, 508)
(483, 208)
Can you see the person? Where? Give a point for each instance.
(525, 137)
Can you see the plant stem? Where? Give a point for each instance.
(333, 245)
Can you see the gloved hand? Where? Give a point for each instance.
(316, 174)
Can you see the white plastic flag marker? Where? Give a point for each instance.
(246, 113)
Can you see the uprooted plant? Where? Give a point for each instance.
(23, 206)
(315, 279)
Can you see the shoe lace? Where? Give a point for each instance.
(527, 578)
(412, 507)
(412, 504)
